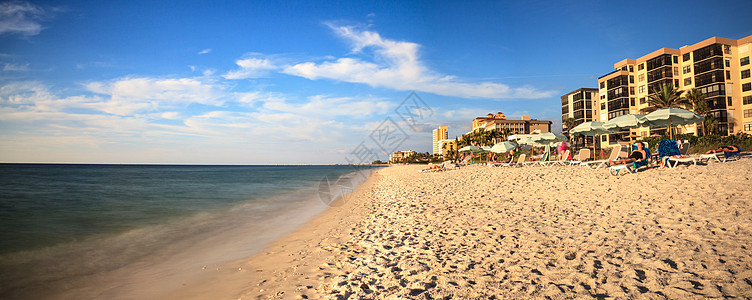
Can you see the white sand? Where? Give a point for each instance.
(478, 232)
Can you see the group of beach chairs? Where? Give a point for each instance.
(673, 154)
(670, 154)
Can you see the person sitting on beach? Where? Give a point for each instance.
(563, 149)
(512, 157)
(637, 155)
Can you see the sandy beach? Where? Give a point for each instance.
(537, 232)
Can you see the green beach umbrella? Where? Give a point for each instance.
(486, 149)
(552, 137)
(470, 149)
(503, 147)
(630, 121)
(669, 117)
(589, 129)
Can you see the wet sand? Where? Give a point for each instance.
(536, 232)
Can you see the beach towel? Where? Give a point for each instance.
(644, 162)
(667, 148)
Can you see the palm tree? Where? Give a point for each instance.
(697, 103)
(569, 123)
(666, 96)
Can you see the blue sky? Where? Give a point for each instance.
(261, 82)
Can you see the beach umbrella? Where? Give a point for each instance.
(552, 137)
(529, 140)
(669, 117)
(503, 147)
(470, 149)
(630, 121)
(485, 149)
(589, 129)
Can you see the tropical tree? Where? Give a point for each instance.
(698, 104)
(664, 97)
(710, 123)
(507, 133)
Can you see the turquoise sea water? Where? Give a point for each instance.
(62, 222)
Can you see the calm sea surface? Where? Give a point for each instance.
(79, 220)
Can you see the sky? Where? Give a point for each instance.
(267, 82)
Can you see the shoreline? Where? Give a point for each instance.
(230, 280)
(479, 232)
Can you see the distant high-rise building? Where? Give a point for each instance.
(581, 105)
(718, 67)
(441, 133)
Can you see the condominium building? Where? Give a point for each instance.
(441, 133)
(399, 155)
(580, 105)
(446, 146)
(718, 67)
(499, 121)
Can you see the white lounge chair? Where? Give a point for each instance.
(685, 158)
(582, 155)
(556, 162)
(614, 155)
(520, 162)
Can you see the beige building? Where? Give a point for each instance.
(447, 145)
(399, 155)
(719, 67)
(441, 133)
(581, 105)
(499, 121)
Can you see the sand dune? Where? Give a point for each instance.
(559, 232)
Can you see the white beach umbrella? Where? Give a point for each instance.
(503, 147)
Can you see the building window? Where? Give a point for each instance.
(688, 81)
(631, 68)
(744, 61)
(728, 63)
(748, 113)
(603, 84)
(640, 66)
(676, 70)
(746, 87)
(603, 106)
(745, 74)
(747, 126)
(687, 69)
(641, 89)
(676, 82)
(729, 101)
(631, 79)
(631, 102)
(676, 59)
(642, 100)
(747, 100)
(641, 77)
(685, 57)
(727, 49)
(631, 90)
(728, 75)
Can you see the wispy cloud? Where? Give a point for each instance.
(8, 67)
(23, 18)
(251, 68)
(397, 65)
(205, 51)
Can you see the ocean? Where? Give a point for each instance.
(66, 227)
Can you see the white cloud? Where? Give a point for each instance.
(15, 67)
(21, 18)
(205, 51)
(251, 68)
(397, 65)
(131, 95)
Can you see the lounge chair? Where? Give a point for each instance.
(670, 155)
(582, 155)
(633, 166)
(463, 162)
(683, 157)
(601, 163)
(556, 162)
(520, 162)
